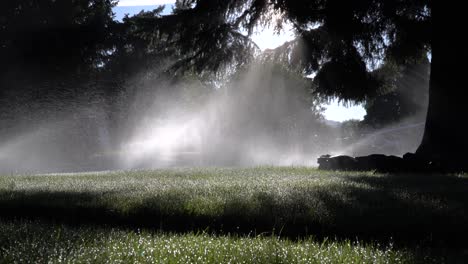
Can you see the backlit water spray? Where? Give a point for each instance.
(263, 117)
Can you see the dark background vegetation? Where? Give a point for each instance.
(70, 65)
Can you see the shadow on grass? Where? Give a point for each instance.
(431, 209)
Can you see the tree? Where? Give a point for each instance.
(405, 98)
(52, 48)
(51, 53)
(56, 35)
(342, 41)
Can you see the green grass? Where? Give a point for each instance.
(35, 242)
(294, 201)
(237, 205)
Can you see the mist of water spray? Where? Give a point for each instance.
(399, 116)
(262, 116)
(55, 139)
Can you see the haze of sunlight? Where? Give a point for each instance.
(264, 115)
(265, 38)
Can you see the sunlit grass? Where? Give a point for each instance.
(35, 242)
(232, 215)
(297, 201)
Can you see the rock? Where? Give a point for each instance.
(378, 162)
(414, 162)
(326, 162)
(382, 163)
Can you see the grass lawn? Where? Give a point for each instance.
(265, 215)
(35, 242)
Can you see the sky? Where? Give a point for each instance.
(144, 2)
(265, 38)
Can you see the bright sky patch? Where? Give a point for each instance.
(144, 2)
(338, 112)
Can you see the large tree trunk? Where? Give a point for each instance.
(445, 137)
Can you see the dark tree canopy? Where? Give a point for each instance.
(404, 98)
(343, 42)
(61, 34)
(50, 51)
(340, 41)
